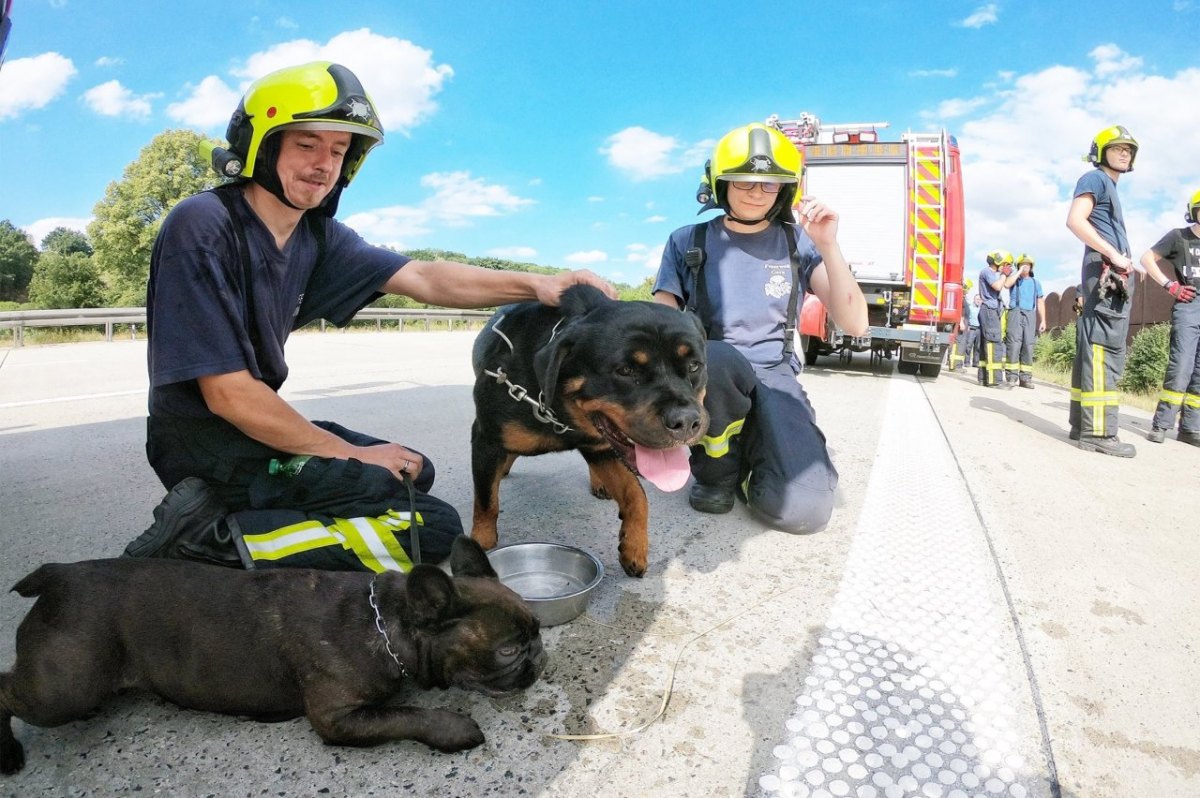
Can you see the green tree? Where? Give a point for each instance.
(167, 170)
(18, 256)
(64, 241)
(66, 280)
(641, 292)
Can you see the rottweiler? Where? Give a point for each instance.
(622, 382)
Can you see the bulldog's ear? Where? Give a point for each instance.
(467, 558)
(432, 596)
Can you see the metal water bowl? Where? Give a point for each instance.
(555, 580)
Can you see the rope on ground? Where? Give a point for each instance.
(666, 697)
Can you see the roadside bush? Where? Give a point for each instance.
(1146, 363)
(1056, 350)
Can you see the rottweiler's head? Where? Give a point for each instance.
(630, 373)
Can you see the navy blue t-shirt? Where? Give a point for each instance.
(748, 280)
(196, 320)
(1106, 215)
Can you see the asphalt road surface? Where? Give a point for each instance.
(991, 612)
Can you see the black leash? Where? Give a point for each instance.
(414, 534)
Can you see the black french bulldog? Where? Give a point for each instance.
(271, 645)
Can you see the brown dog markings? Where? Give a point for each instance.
(621, 382)
(270, 644)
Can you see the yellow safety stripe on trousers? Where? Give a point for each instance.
(1174, 398)
(1191, 400)
(372, 540)
(718, 445)
(1096, 398)
(374, 543)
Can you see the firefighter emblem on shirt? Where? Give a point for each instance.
(777, 286)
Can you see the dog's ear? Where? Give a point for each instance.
(467, 558)
(698, 324)
(549, 359)
(432, 596)
(581, 299)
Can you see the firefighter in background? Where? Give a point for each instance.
(960, 350)
(970, 322)
(1026, 320)
(1096, 219)
(991, 281)
(1180, 251)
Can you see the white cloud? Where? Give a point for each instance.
(209, 105)
(455, 200)
(586, 257)
(42, 227)
(649, 257)
(933, 73)
(1023, 155)
(32, 83)
(655, 219)
(401, 78)
(515, 253)
(108, 61)
(113, 99)
(954, 108)
(644, 155)
(595, 199)
(984, 15)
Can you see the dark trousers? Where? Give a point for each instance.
(1181, 385)
(1100, 335)
(1018, 342)
(991, 346)
(334, 514)
(971, 348)
(763, 435)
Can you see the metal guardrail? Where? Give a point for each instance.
(111, 318)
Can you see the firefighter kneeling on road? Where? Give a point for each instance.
(1026, 320)
(992, 280)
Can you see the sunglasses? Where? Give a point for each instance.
(746, 185)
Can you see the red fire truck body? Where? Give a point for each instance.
(900, 205)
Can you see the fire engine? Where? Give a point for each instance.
(900, 205)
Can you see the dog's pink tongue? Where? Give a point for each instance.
(667, 469)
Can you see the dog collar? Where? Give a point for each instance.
(521, 394)
(383, 630)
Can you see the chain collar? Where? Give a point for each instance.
(521, 394)
(383, 630)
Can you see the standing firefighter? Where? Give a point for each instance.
(1026, 319)
(1096, 219)
(1180, 250)
(992, 279)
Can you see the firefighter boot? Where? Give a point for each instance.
(188, 525)
(1110, 445)
(716, 498)
(1156, 435)
(1192, 438)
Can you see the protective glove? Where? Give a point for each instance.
(1006, 270)
(1181, 292)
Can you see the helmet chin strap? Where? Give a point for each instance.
(748, 222)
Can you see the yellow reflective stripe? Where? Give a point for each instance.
(289, 540)
(1097, 367)
(1170, 397)
(718, 445)
(373, 542)
(1191, 400)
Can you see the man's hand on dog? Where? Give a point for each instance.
(393, 457)
(550, 289)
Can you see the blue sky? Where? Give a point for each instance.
(573, 134)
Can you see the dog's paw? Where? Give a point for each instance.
(454, 733)
(633, 567)
(12, 757)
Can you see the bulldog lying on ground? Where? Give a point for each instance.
(271, 645)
